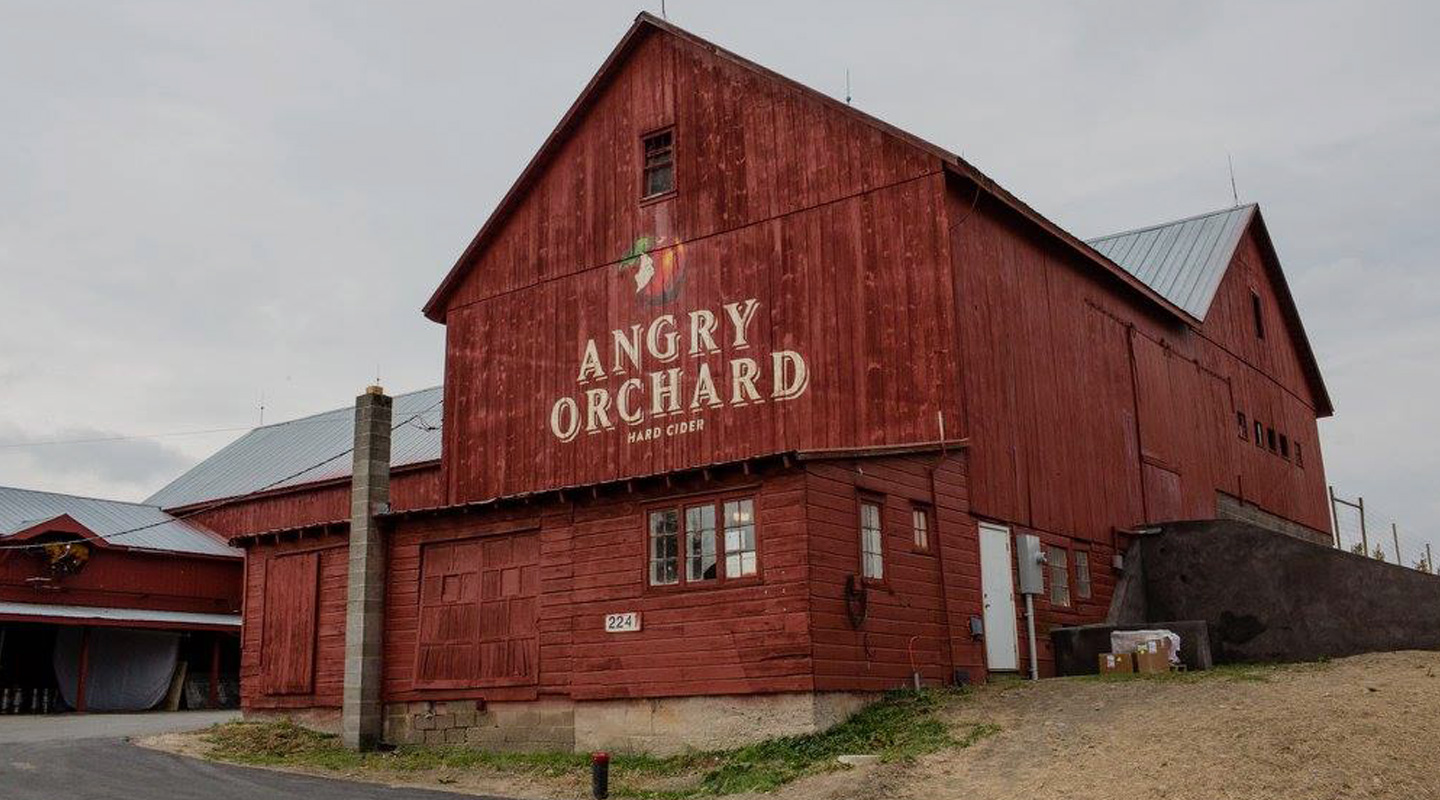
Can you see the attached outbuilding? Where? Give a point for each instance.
(113, 606)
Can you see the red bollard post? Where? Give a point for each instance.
(600, 775)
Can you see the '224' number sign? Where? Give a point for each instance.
(622, 623)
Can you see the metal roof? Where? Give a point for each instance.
(141, 616)
(1185, 260)
(133, 525)
(305, 450)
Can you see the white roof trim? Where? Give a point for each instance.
(140, 616)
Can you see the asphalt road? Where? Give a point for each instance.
(42, 765)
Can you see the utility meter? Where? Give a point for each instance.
(1032, 563)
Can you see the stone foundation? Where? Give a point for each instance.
(659, 726)
(528, 725)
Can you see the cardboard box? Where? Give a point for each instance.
(1153, 656)
(1117, 664)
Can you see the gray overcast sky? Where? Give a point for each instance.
(201, 202)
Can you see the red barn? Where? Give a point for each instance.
(746, 395)
(102, 602)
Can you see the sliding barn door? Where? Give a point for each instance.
(478, 609)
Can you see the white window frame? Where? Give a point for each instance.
(872, 539)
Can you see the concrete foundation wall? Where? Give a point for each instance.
(659, 726)
(1270, 597)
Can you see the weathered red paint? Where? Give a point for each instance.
(926, 303)
(123, 578)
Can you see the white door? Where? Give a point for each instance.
(997, 589)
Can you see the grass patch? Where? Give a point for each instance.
(900, 727)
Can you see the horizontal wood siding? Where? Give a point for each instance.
(746, 636)
(119, 579)
(917, 618)
(307, 505)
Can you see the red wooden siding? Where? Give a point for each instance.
(409, 488)
(923, 310)
(736, 637)
(478, 612)
(1089, 412)
(289, 628)
(320, 600)
(835, 228)
(747, 149)
(1230, 322)
(839, 284)
(120, 579)
(918, 616)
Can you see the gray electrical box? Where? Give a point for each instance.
(1031, 567)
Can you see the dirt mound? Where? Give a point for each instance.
(1361, 727)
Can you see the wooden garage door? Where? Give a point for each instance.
(287, 651)
(478, 612)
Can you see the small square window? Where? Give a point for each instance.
(1082, 574)
(920, 525)
(1284, 447)
(1058, 561)
(1244, 425)
(1259, 433)
(872, 555)
(1270, 439)
(658, 175)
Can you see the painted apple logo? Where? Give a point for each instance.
(658, 273)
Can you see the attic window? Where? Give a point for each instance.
(658, 177)
(1259, 312)
(1244, 425)
(1284, 446)
(1270, 438)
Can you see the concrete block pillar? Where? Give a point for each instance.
(362, 717)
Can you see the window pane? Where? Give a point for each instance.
(922, 528)
(872, 561)
(1082, 575)
(659, 180)
(740, 548)
(658, 171)
(1059, 576)
(664, 547)
(700, 543)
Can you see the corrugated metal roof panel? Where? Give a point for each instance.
(305, 450)
(126, 524)
(137, 615)
(1183, 260)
